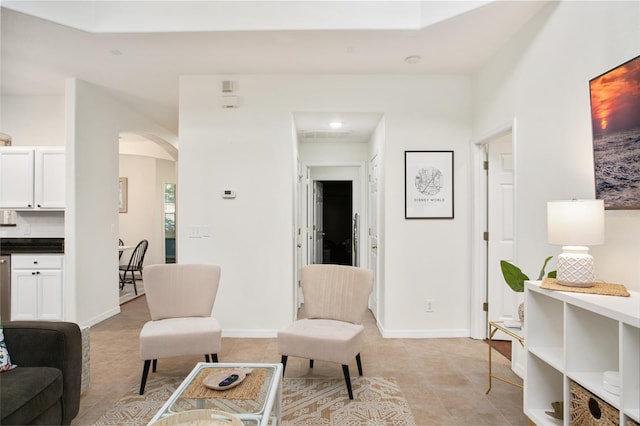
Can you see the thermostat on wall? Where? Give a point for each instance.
(227, 193)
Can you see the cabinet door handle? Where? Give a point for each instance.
(35, 262)
(39, 206)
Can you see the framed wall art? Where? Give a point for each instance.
(428, 184)
(123, 198)
(615, 123)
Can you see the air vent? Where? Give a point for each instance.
(325, 134)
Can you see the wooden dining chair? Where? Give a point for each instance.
(135, 265)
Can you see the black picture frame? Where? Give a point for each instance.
(428, 185)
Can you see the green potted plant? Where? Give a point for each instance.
(515, 278)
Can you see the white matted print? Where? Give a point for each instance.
(428, 184)
(123, 198)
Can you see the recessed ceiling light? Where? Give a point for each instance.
(413, 59)
(115, 52)
(335, 124)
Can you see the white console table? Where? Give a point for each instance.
(576, 337)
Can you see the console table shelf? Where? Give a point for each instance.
(576, 337)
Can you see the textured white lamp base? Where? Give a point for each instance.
(575, 267)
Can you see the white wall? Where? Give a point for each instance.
(542, 79)
(249, 149)
(94, 120)
(144, 218)
(333, 151)
(33, 120)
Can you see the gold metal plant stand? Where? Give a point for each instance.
(494, 326)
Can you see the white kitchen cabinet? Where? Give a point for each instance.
(36, 287)
(576, 337)
(32, 178)
(16, 177)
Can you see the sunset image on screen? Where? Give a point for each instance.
(615, 122)
(615, 98)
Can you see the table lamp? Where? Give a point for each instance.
(575, 224)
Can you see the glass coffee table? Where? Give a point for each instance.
(257, 400)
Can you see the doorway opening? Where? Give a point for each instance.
(495, 193)
(334, 199)
(337, 214)
(494, 229)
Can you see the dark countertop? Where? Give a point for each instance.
(31, 245)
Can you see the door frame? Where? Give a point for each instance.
(479, 180)
(304, 205)
(359, 196)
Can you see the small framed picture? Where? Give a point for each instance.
(428, 184)
(123, 195)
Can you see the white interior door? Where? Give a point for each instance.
(373, 230)
(318, 233)
(500, 192)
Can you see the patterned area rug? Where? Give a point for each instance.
(320, 401)
(305, 401)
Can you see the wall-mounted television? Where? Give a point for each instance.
(615, 123)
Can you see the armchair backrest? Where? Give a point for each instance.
(180, 290)
(336, 292)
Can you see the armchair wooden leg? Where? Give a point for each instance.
(214, 357)
(359, 362)
(206, 358)
(145, 373)
(347, 379)
(284, 363)
(155, 365)
(310, 363)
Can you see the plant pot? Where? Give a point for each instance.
(521, 312)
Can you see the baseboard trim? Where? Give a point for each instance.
(424, 334)
(250, 334)
(99, 318)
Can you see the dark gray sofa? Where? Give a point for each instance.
(45, 388)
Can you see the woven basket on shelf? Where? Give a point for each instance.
(588, 410)
(631, 422)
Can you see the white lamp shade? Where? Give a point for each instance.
(575, 222)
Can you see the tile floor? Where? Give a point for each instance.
(444, 380)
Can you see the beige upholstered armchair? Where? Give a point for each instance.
(180, 299)
(335, 301)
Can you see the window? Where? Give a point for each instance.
(170, 223)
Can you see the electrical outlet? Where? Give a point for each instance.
(428, 305)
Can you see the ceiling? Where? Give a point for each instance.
(141, 69)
